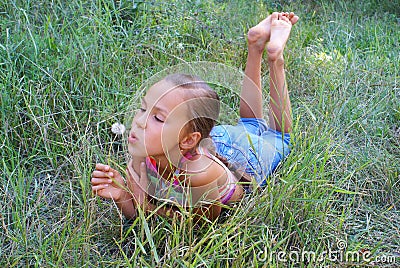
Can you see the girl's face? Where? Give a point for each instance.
(157, 127)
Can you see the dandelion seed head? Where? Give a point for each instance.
(118, 128)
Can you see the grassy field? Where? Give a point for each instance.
(70, 69)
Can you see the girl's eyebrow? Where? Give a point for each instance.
(158, 108)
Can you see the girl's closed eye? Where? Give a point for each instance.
(159, 118)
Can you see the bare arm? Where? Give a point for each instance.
(205, 190)
(108, 183)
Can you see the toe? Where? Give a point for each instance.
(294, 19)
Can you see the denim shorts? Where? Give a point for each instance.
(251, 146)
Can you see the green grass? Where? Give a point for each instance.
(70, 69)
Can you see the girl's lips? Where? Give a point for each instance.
(132, 138)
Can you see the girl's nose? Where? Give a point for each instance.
(140, 120)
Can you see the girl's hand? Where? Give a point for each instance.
(107, 182)
(138, 183)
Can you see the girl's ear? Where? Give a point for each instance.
(190, 140)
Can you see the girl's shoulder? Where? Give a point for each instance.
(203, 170)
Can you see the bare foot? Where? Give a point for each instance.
(280, 31)
(292, 17)
(259, 35)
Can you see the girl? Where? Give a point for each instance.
(171, 161)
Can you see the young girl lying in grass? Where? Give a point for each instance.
(170, 162)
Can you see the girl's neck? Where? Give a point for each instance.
(166, 165)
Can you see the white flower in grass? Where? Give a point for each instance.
(118, 128)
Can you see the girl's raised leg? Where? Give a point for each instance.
(251, 101)
(251, 96)
(280, 117)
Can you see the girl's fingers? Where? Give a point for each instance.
(143, 171)
(102, 167)
(115, 174)
(99, 187)
(98, 181)
(101, 174)
(107, 169)
(134, 175)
